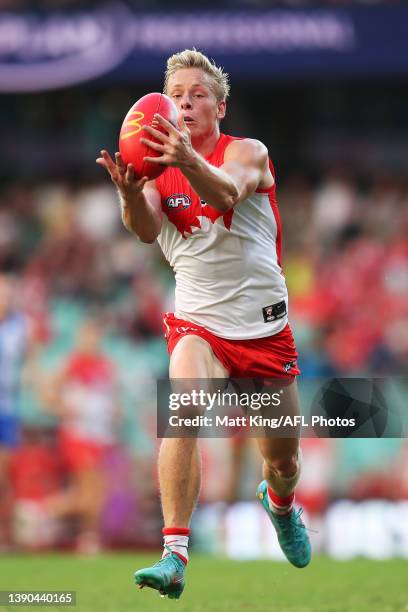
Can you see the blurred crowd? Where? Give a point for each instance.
(345, 257)
(81, 335)
(346, 262)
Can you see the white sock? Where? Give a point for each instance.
(177, 544)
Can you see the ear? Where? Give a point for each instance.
(221, 109)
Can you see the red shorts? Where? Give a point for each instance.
(271, 357)
(79, 454)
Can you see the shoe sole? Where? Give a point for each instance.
(173, 591)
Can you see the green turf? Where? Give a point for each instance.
(105, 584)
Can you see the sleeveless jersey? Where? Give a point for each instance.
(227, 265)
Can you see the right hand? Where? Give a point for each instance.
(123, 177)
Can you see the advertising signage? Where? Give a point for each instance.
(40, 51)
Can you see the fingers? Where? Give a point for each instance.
(130, 180)
(154, 160)
(143, 182)
(153, 145)
(112, 173)
(122, 175)
(101, 162)
(119, 163)
(166, 124)
(130, 173)
(106, 162)
(183, 125)
(110, 164)
(153, 132)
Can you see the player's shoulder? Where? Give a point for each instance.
(246, 146)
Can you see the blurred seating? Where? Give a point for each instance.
(346, 264)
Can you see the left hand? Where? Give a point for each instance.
(175, 146)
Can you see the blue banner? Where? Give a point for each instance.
(57, 49)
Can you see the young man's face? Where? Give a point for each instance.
(191, 90)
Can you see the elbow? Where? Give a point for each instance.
(148, 240)
(228, 204)
(234, 197)
(145, 238)
(224, 205)
(229, 200)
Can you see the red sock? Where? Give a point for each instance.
(176, 538)
(280, 505)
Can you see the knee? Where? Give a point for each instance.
(285, 467)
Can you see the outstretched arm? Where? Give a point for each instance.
(139, 199)
(245, 165)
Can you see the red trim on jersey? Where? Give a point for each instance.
(274, 206)
(271, 191)
(217, 155)
(272, 188)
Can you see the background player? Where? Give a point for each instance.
(84, 397)
(229, 229)
(13, 349)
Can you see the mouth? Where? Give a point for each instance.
(188, 120)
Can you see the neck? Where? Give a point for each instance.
(205, 144)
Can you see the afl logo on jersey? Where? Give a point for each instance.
(178, 201)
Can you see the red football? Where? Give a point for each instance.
(142, 112)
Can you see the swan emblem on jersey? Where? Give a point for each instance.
(185, 214)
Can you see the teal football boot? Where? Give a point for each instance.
(292, 534)
(166, 576)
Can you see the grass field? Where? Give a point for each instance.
(105, 584)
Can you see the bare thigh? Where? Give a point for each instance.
(194, 367)
(193, 358)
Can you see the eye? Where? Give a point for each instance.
(176, 96)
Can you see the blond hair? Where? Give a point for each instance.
(191, 58)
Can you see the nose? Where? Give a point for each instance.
(186, 102)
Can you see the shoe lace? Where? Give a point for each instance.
(294, 520)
